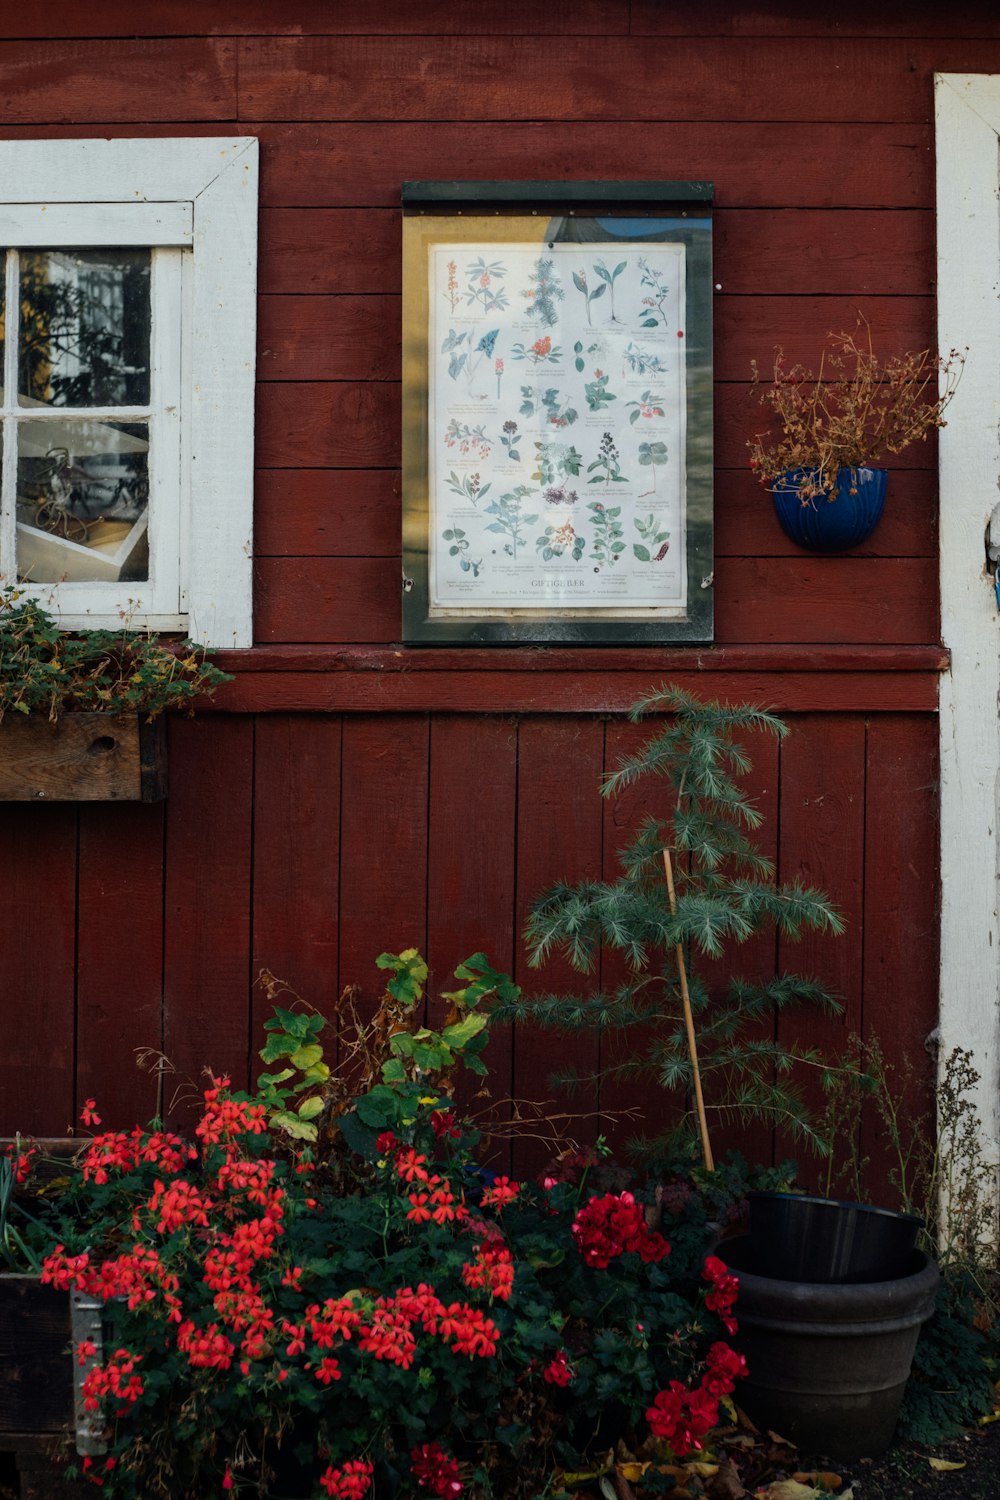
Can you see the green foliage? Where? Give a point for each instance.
(726, 894)
(46, 670)
(951, 1385)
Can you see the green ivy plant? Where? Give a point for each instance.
(46, 670)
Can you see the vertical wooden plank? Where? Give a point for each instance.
(38, 857)
(120, 958)
(470, 861)
(559, 818)
(296, 864)
(822, 843)
(753, 961)
(901, 933)
(207, 905)
(383, 865)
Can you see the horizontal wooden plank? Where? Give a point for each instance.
(853, 18)
(756, 252)
(570, 692)
(330, 250)
(87, 757)
(634, 78)
(826, 599)
(577, 660)
(753, 164)
(749, 327)
(849, 600)
(358, 338)
(327, 599)
(327, 513)
(745, 522)
(329, 338)
(193, 78)
(61, 18)
(340, 425)
(874, 252)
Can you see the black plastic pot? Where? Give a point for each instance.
(798, 1237)
(828, 1363)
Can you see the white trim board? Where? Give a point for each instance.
(968, 229)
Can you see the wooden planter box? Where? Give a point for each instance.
(36, 1368)
(82, 758)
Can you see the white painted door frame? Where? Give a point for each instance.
(968, 229)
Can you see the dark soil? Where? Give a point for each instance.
(906, 1471)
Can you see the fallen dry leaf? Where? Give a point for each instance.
(703, 1471)
(727, 1484)
(791, 1489)
(822, 1479)
(942, 1466)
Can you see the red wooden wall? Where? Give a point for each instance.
(346, 795)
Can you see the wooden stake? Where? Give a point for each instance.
(706, 1145)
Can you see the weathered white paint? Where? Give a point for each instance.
(199, 195)
(968, 227)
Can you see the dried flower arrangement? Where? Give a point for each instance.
(849, 415)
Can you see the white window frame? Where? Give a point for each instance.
(195, 202)
(968, 235)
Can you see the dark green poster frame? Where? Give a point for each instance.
(557, 413)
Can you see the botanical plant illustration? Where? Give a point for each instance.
(607, 460)
(539, 353)
(597, 393)
(652, 536)
(559, 494)
(609, 278)
(643, 361)
(545, 291)
(647, 406)
(451, 345)
(580, 282)
(598, 347)
(460, 547)
(558, 540)
(553, 459)
(654, 456)
(452, 294)
(469, 439)
(498, 372)
(468, 486)
(656, 294)
(609, 535)
(510, 517)
(484, 349)
(483, 291)
(509, 439)
(558, 412)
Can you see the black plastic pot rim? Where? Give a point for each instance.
(845, 1203)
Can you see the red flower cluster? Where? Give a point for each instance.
(206, 1348)
(491, 1271)
(559, 1371)
(20, 1160)
(432, 1198)
(177, 1205)
(349, 1482)
(725, 1289)
(613, 1225)
(683, 1417)
(435, 1470)
(115, 1379)
(501, 1192)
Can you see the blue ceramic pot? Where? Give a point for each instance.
(836, 522)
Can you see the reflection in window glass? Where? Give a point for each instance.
(84, 334)
(82, 497)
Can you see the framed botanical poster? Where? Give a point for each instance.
(557, 412)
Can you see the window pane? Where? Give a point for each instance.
(84, 328)
(82, 498)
